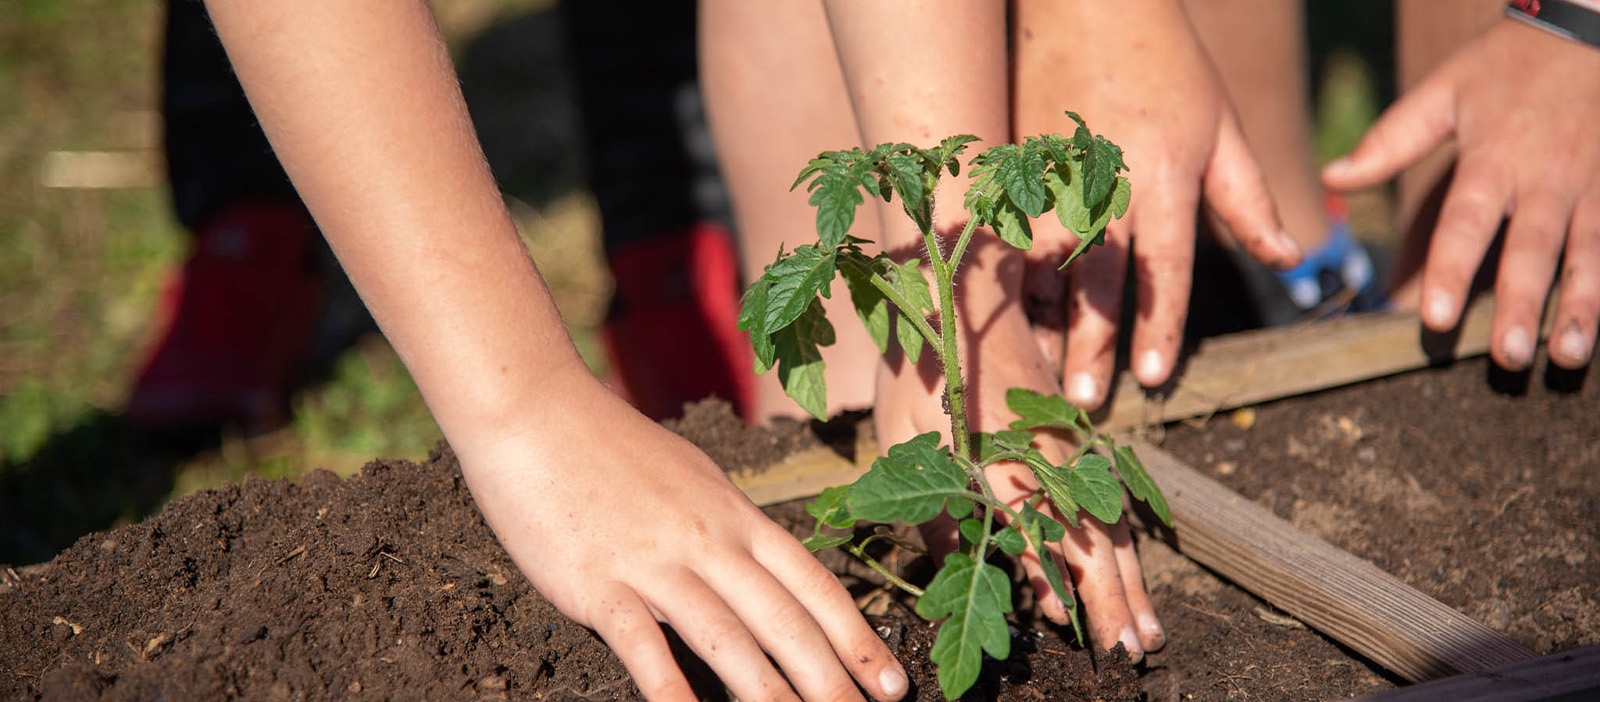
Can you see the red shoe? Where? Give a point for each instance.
(672, 332)
(243, 312)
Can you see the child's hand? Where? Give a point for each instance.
(1520, 104)
(1148, 86)
(1000, 354)
(622, 524)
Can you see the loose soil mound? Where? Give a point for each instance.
(385, 586)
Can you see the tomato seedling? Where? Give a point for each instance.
(1079, 178)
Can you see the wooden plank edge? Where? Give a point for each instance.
(1342, 596)
(1570, 676)
(1255, 366)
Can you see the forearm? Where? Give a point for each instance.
(921, 72)
(362, 107)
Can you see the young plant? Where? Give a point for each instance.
(1078, 177)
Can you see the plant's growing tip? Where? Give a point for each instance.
(1080, 179)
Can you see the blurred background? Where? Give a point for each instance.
(89, 238)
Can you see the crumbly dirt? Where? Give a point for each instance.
(1477, 487)
(389, 585)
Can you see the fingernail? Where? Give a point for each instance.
(1150, 366)
(1338, 166)
(1130, 641)
(1290, 249)
(1518, 347)
(893, 682)
(1439, 309)
(1083, 390)
(1573, 346)
(1153, 630)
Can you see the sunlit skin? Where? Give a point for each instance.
(362, 106)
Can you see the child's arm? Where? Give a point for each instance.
(618, 522)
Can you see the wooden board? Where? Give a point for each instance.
(1266, 364)
(1223, 373)
(1340, 595)
(1572, 676)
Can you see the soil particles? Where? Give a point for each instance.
(389, 585)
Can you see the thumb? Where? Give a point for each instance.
(1405, 133)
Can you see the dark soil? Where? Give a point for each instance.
(389, 585)
(1479, 488)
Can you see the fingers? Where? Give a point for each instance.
(1532, 248)
(1151, 634)
(1468, 220)
(1406, 132)
(1572, 341)
(1163, 259)
(720, 638)
(833, 615)
(1094, 308)
(626, 624)
(785, 630)
(1090, 555)
(1236, 190)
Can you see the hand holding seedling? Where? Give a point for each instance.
(1520, 105)
(618, 522)
(1164, 103)
(921, 480)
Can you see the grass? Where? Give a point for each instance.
(81, 269)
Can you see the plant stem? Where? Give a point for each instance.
(934, 338)
(873, 563)
(955, 392)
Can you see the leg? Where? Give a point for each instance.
(775, 97)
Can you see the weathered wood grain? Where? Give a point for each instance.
(1266, 364)
(1340, 595)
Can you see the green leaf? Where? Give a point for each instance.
(1120, 196)
(1048, 529)
(1019, 172)
(796, 280)
(1012, 227)
(829, 508)
(1009, 441)
(1101, 162)
(800, 366)
(1041, 529)
(836, 191)
(912, 484)
(906, 171)
(971, 530)
(1057, 485)
(1036, 409)
(1011, 541)
(818, 542)
(870, 304)
(1139, 483)
(752, 319)
(908, 280)
(973, 599)
(1095, 488)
